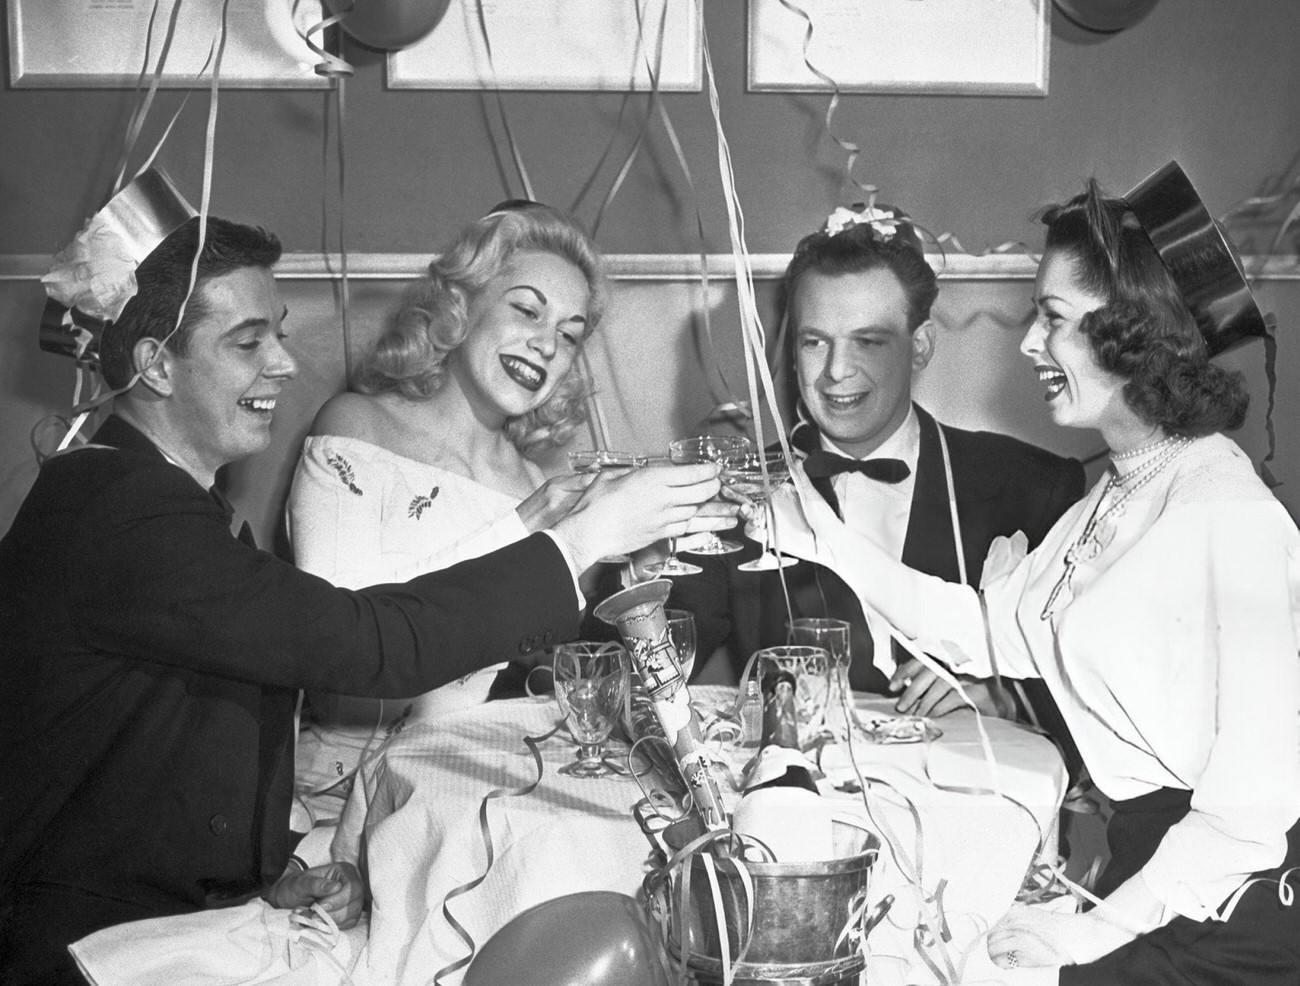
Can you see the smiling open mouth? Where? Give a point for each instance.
(262, 405)
(527, 375)
(1051, 378)
(844, 402)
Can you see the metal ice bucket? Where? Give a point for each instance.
(802, 911)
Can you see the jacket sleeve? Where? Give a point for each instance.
(167, 583)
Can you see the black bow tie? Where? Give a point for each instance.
(821, 463)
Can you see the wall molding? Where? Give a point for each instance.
(646, 266)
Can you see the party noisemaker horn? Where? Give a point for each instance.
(639, 615)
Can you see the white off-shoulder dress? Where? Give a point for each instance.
(361, 515)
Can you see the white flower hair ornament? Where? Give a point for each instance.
(884, 222)
(93, 277)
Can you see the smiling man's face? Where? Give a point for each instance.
(856, 356)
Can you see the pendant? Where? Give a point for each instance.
(1082, 551)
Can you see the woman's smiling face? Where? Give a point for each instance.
(1079, 392)
(525, 328)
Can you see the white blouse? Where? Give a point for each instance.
(1174, 655)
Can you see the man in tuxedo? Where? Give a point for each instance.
(857, 298)
(152, 658)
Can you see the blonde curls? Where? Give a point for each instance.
(433, 318)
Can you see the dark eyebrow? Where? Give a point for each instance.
(581, 319)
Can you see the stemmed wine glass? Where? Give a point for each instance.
(744, 473)
(594, 460)
(591, 682)
(709, 448)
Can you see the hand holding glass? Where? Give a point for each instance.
(745, 474)
(591, 682)
(594, 460)
(709, 448)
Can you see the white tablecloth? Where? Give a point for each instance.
(413, 824)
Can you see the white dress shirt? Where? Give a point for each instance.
(877, 510)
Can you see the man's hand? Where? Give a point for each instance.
(924, 693)
(619, 513)
(337, 887)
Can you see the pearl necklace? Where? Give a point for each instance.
(1152, 446)
(1088, 545)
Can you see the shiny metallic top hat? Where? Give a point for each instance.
(93, 277)
(1199, 257)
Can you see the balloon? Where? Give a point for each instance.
(1104, 16)
(594, 938)
(388, 24)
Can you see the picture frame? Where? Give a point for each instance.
(930, 47)
(556, 45)
(76, 44)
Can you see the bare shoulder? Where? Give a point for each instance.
(350, 415)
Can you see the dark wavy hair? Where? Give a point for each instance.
(410, 358)
(860, 248)
(163, 279)
(855, 249)
(1145, 332)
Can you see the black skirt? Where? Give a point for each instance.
(1259, 944)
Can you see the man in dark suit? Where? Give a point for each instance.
(857, 298)
(151, 659)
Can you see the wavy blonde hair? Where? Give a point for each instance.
(433, 319)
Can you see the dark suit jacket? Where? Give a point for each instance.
(149, 673)
(1002, 485)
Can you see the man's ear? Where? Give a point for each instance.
(922, 344)
(153, 362)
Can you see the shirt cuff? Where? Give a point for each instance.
(573, 566)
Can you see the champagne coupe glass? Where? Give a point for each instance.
(744, 474)
(591, 682)
(672, 565)
(681, 628)
(834, 636)
(709, 448)
(594, 460)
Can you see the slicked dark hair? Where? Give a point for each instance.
(1145, 332)
(163, 279)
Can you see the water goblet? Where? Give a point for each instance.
(709, 448)
(591, 683)
(744, 474)
(808, 665)
(597, 459)
(834, 636)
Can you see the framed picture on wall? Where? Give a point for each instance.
(107, 43)
(933, 47)
(556, 44)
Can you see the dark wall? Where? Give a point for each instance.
(1213, 83)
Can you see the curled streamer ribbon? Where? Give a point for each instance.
(485, 832)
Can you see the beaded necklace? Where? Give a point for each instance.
(1133, 453)
(1088, 545)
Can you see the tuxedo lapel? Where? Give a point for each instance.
(929, 546)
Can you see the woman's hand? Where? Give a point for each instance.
(553, 500)
(924, 693)
(337, 887)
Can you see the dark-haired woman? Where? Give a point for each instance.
(1161, 611)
